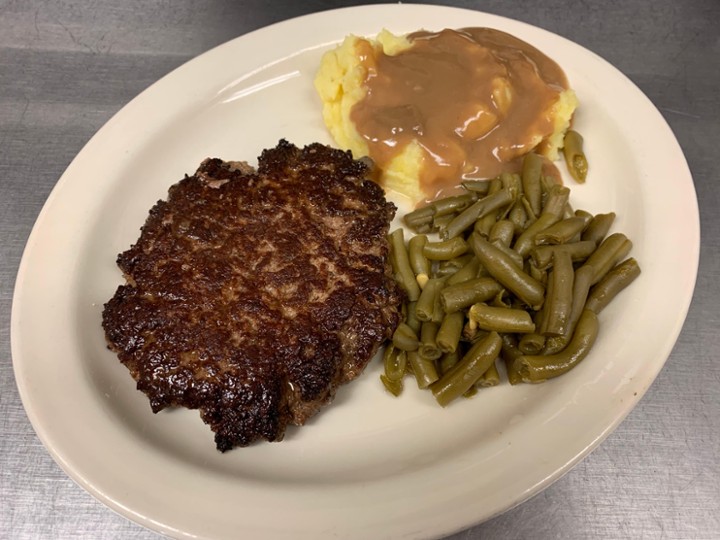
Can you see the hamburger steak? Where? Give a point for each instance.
(252, 296)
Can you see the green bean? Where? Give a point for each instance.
(526, 241)
(587, 216)
(394, 363)
(542, 256)
(499, 300)
(448, 336)
(552, 187)
(537, 273)
(503, 269)
(404, 273)
(440, 222)
(556, 200)
(530, 216)
(448, 360)
(445, 250)
(611, 251)
(418, 262)
(447, 269)
(554, 344)
(581, 286)
(469, 271)
(518, 215)
(423, 369)
(394, 387)
(483, 224)
(538, 368)
(461, 377)
(422, 212)
(428, 347)
(435, 211)
(491, 377)
(477, 210)
(453, 204)
(553, 210)
(531, 343)
(559, 304)
(547, 183)
(541, 315)
(598, 227)
(561, 232)
(480, 187)
(453, 265)
(408, 366)
(510, 353)
(404, 338)
(503, 232)
(575, 156)
(420, 224)
(477, 335)
(500, 319)
(443, 271)
(419, 217)
(531, 171)
(511, 253)
(393, 260)
(502, 278)
(438, 312)
(609, 286)
(461, 295)
(470, 331)
(411, 317)
(426, 302)
(513, 184)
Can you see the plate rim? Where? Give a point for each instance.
(23, 385)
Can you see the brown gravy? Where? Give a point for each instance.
(476, 99)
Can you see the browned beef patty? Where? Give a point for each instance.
(252, 296)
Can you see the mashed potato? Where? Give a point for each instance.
(432, 109)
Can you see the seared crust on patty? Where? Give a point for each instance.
(253, 296)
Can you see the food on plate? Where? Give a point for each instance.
(503, 281)
(435, 108)
(575, 158)
(252, 296)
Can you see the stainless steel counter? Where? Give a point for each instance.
(67, 66)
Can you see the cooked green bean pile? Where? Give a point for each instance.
(516, 275)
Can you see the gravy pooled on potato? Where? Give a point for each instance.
(435, 108)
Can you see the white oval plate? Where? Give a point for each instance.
(369, 466)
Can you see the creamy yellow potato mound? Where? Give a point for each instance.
(340, 84)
